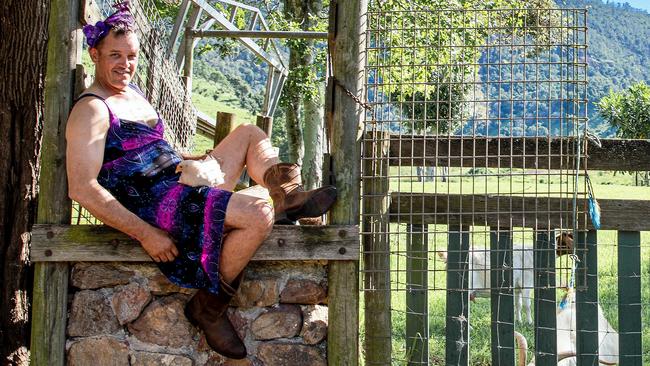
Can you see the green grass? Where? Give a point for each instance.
(606, 186)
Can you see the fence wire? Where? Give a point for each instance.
(473, 166)
(159, 78)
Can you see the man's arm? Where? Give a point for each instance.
(86, 136)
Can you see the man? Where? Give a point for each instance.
(123, 172)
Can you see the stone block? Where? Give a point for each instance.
(128, 302)
(102, 351)
(314, 324)
(303, 291)
(97, 275)
(283, 321)
(163, 323)
(289, 354)
(257, 292)
(91, 314)
(158, 359)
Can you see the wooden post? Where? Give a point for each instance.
(545, 305)
(265, 124)
(502, 299)
(346, 35)
(188, 63)
(457, 318)
(629, 298)
(224, 125)
(376, 251)
(417, 284)
(49, 305)
(587, 301)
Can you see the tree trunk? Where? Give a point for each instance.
(312, 166)
(23, 28)
(293, 12)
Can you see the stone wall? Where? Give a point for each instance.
(130, 314)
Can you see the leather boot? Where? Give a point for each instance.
(207, 311)
(290, 200)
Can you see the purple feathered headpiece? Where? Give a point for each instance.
(121, 18)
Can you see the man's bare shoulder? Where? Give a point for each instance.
(89, 112)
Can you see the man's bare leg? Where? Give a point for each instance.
(246, 146)
(248, 219)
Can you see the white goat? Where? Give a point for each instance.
(523, 272)
(566, 337)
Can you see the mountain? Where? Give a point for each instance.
(618, 53)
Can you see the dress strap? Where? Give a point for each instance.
(111, 116)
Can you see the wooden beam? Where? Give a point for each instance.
(417, 294)
(224, 126)
(457, 301)
(587, 338)
(89, 12)
(81, 243)
(533, 212)
(629, 299)
(255, 34)
(347, 31)
(49, 303)
(502, 297)
(517, 152)
(545, 296)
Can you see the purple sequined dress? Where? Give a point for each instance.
(139, 170)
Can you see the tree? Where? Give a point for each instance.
(23, 44)
(628, 111)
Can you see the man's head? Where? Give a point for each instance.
(113, 47)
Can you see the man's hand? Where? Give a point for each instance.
(159, 245)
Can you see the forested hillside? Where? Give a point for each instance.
(619, 50)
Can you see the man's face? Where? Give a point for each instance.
(116, 59)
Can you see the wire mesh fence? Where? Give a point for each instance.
(160, 80)
(474, 161)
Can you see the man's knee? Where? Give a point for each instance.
(250, 130)
(262, 216)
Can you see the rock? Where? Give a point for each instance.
(90, 315)
(283, 354)
(103, 351)
(160, 285)
(284, 321)
(219, 360)
(239, 322)
(128, 302)
(96, 275)
(257, 292)
(314, 324)
(158, 359)
(301, 291)
(163, 323)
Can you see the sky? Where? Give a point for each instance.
(640, 4)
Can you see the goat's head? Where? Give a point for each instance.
(563, 243)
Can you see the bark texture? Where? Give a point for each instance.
(23, 44)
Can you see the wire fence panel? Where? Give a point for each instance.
(474, 182)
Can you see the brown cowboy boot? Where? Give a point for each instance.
(208, 312)
(290, 200)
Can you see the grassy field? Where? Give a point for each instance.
(606, 185)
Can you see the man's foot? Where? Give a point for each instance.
(290, 201)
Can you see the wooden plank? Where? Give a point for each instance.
(348, 30)
(502, 299)
(516, 152)
(54, 207)
(61, 243)
(629, 298)
(173, 37)
(225, 125)
(417, 284)
(89, 12)
(545, 305)
(376, 254)
(457, 319)
(587, 301)
(50, 313)
(265, 124)
(535, 212)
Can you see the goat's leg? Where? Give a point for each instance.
(526, 296)
(518, 305)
